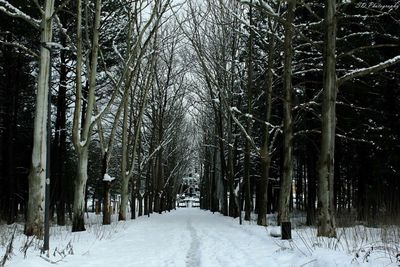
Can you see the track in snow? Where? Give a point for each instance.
(193, 254)
(184, 238)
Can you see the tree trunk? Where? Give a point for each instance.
(214, 182)
(146, 203)
(8, 132)
(125, 173)
(78, 222)
(265, 151)
(60, 140)
(233, 208)
(138, 181)
(82, 138)
(37, 175)
(262, 206)
(222, 164)
(248, 195)
(124, 198)
(106, 192)
(133, 205)
(326, 223)
(151, 202)
(12, 79)
(106, 203)
(311, 185)
(286, 183)
(140, 202)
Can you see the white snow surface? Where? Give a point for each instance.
(108, 178)
(184, 237)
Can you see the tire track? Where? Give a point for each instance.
(193, 254)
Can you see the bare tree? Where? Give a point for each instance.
(127, 171)
(82, 130)
(38, 170)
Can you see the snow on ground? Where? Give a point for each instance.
(185, 237)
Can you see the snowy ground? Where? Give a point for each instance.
(191, 237)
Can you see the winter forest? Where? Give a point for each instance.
(212, 132)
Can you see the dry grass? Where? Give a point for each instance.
(363, 243)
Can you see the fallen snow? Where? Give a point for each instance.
(185, 237)
(108, 178)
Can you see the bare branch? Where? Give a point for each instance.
(14, 12)
(366, 71)
(64, 31)
(352, 51)
(20, 46)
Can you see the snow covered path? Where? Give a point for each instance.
(185, 237)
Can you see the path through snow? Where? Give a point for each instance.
(185, 237)
(193, 254)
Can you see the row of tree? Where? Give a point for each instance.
(297, 94)
(115, 73)
(278, 105)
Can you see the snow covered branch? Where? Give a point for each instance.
(366, 71)
(265, 8)
(63, 31)
(364, 48)
(21, 46)
(14, 12)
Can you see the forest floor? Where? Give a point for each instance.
(193, 237)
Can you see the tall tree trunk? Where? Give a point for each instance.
(286, 183)
(248, 195)
(82, 139)
(311, 185)
(138, 180)
(12, 79)
(125, 160)
(326, 223)
(37, 175)
(156, 179)
(265, 151)
(247, 183)
(222, 167)
(233, 207)
(214, 182)
(60, 140)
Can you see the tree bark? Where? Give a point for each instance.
(286, 183)
(265, 151)
(311, 185)
(326, 218)
(60, 140)
(106, 191)
(124, 165)
(37, 175)
(78, 221)
(248, 195)
(12, 78)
